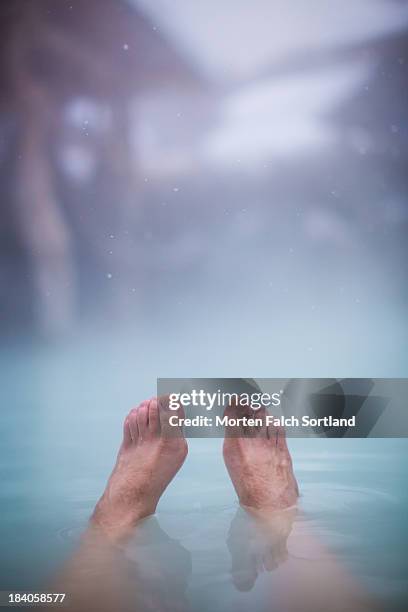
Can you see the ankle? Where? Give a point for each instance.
(117, 524)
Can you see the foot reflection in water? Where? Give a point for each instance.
(162, 569)
(257, 544)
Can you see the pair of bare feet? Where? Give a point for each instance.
(153, 451)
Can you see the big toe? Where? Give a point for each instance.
(170, 424)
(234, 427)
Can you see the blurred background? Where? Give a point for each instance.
(221, 163)
(195, 189)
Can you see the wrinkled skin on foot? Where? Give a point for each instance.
(151, 453)
(259, 464)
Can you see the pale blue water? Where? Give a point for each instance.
(61, 425)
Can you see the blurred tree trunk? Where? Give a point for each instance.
(40, 219)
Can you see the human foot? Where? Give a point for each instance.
(151, 453)
(259, 463)
(258, 544)
(161, 569)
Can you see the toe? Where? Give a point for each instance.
(167, 430)
(272, 433)
(251, 431)
(127, 436)
(260, 431)
(133, 426)
(270, 561)
(245, 580)
(281, 440)
(142, 414)
(233, 429)
(283, 451)
(153, 417)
